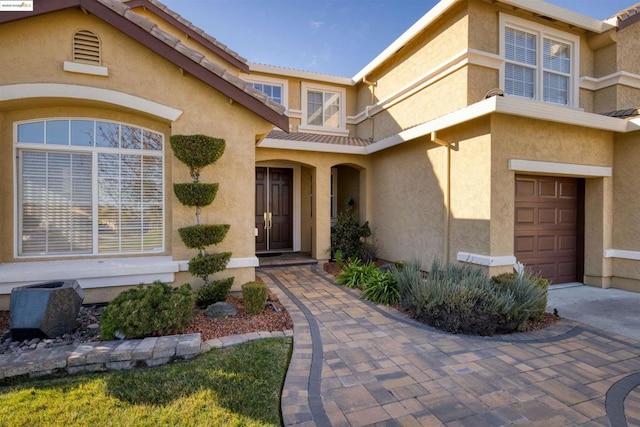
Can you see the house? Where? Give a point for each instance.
(489, 132)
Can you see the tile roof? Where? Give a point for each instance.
(191, 61)
(623, 114)
(323, 139)
(628, 12)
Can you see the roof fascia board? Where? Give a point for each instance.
(217, 82)
(306, 75)
(190, 32)
(561, 14)
(311, 146)
(438, 10)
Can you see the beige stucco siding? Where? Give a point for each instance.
(41, 45)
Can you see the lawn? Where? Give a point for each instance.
(234, 386)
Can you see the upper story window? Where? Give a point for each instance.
(273, 91)
(323, 109)
(88, 187)
(540, 63)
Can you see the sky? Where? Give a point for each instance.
(337, 37)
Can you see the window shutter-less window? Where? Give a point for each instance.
(86, 47)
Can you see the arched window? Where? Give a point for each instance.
(86, 47)
(89, 187)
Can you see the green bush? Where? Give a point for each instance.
(530, 291)
(211, 293)
(355, 274)
(348, 235)
(201, 236)
(195, 193)
(145, 311)
(462, 299)
(339, 257)
(381, 288)
(408, 276)
(204, 265)
(254, 297)
(197, 151)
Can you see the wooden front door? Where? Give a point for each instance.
(274, 209)
(548, 226)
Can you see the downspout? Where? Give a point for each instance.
(446, 196)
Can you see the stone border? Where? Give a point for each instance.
(104, 356)
(614, 401)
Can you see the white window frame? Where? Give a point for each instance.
(341, 130)
(19, 147)
(272, 82)
(541, 32)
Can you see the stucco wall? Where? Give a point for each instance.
(39, 46)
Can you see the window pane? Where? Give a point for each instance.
(520, 46)
(82, 133)
(31, 132)
(131, 137)
(519, 80)
(331, 110)
(151, 141)
(314, 108)
(557, 56)
(107, 134)
(56, 203)
(556, 88)
(57, 132)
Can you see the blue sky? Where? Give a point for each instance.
(336, 37)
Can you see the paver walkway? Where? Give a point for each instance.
(357, 364)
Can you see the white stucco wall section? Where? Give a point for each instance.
(484, 260)
(559, 168)
(622, 254)
(55, 90)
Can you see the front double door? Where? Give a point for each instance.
(274, 209)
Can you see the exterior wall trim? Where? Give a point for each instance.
(622, 254)
(624, 78)
(535, 166)
(54, 90)
(312, 146)
(233, 263)
(94, 70)
(485, 260)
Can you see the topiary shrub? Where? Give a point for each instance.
(146, 311)
(197, 152)
(254, 297)
(213, 292)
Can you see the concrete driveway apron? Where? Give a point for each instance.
(357, 364)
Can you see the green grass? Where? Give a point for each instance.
(234, 386)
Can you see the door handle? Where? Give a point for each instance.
(270, 220)
(266, 224)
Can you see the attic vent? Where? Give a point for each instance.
(86, 47)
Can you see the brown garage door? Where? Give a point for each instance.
(548, 235)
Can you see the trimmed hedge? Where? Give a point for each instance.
(201, 236)
(197, 151)
(146, 311)
(254, 297)
(202, 265)
(195, 193)
(213, 292)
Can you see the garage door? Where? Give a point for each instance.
(548, 233)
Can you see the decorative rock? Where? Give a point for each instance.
(44, 309)
(221, 309)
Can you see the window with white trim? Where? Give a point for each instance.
(540, 63)
(89, 187)
(323, 109)
(273, 91)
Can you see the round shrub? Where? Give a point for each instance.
(254, 296)
(213, 292)
(195, 193)
(201, 236)
(381, 288)
(146, 311)
(197, 151)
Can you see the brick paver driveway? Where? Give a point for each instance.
(358, 364)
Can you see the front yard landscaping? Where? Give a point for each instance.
(234, 386)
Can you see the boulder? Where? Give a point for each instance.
(221, 309)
